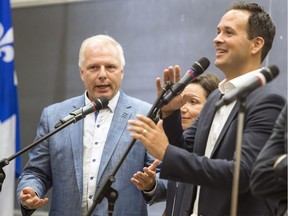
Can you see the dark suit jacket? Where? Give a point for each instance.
(267, 181)
(215, 175)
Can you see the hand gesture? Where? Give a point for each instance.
(173, 75)
(29, 199)
(152, 136)
(146, 180)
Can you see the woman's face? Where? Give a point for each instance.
(193, 107)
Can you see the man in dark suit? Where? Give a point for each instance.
(204, 155)
(269, 174)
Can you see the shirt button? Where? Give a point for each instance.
(96, 143)
(94, 160)
(91, 178)
(90, 197)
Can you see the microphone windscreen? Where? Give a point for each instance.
(270, 72)
(201, 65)
(101, 103)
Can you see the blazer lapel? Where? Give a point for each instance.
(117, 128)
(76, 136)
(206, 118)
(226, 126)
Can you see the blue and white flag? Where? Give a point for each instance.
(9, 118)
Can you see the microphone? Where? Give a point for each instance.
(80, 113)
(260, 79)
(197, 69)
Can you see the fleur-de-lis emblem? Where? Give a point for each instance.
(6, 48)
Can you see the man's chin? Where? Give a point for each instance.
(101, 95)
(104, 96)
(219, 64)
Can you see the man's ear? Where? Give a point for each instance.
(81, 74)
(257, 45)
(122, 74)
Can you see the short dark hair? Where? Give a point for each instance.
(208, 81)
(259, 24)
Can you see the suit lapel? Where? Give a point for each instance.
(206, 119)
(76, 136)
(226, 126)
(117, 128)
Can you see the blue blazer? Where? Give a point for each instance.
(57, 163)
(215, 175)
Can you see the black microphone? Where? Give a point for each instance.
(80, 113)
(258, 80)
(197, 69)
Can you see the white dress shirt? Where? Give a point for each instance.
(94, 138)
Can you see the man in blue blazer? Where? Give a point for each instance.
(204, 156)
(75, 162)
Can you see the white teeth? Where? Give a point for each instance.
(222, 51)
(102, 87)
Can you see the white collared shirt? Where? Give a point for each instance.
(94, 138)
(220, 119)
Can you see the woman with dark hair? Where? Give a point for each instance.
(199, 89)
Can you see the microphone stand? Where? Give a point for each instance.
(4, 162)
(239, 140)
(106, 190)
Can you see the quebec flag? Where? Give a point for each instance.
(9, 118)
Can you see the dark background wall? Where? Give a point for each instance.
(154, 34)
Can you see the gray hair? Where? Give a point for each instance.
(104, 38)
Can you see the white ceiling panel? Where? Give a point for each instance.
(30, 3)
